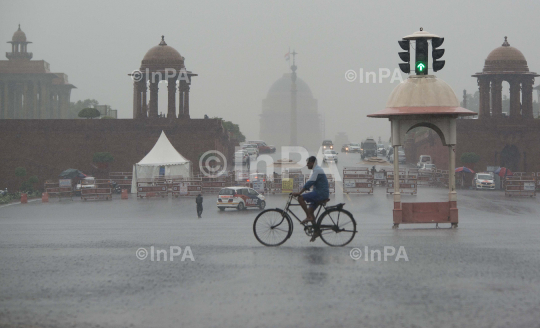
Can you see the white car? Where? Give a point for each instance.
(423, 159)
(427, 168)
(240, 198)
(330, 156)
(251, 149)
(484, 180)
(354, 148)
(86, 183)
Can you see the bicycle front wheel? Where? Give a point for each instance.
(338, 227)
(272, 227)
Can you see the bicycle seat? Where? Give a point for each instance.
(323, 202)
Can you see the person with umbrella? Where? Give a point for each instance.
(463, 169)
(503, 172)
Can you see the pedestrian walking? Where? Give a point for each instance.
(199, 201)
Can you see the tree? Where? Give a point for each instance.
(76, 107)
(234, 129)
(89, 113)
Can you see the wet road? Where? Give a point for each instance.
(74, 264)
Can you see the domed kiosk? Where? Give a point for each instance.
(161, 62)
(506, 63)
(423, 101)
(275, 119)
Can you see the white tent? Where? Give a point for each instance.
(163, 155)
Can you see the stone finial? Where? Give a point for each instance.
(163, 43)
(505, 43)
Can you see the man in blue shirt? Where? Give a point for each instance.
(320, 191)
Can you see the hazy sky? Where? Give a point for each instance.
(238, 47)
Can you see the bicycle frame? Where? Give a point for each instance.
(287, 210)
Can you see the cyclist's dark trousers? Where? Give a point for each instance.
(199, 210)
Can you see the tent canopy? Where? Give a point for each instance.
(162, 160)
(163, 153)
(72, 173)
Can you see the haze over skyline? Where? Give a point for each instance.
(238, 49)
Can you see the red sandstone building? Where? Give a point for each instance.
(47, 147)
(28, 89)
(511, 140)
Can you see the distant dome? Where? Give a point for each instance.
(19, 35)
(162, 57)
(506, 59)
(283, 85)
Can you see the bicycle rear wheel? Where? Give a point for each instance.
(272, 227)
(338, 227)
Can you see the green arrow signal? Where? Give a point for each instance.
(420, 67)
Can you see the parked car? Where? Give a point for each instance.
(240, 198)
(484, 180)
(327, 144)
(263, 147)
(330, 156)
(252, 149)
(86, 183)
(423, 159)
(427, 169)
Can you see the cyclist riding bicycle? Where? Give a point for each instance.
(320, 192)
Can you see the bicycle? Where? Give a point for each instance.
(337, 226)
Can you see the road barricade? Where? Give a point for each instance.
(211, 186)
(274, 186)
(357, 180)
(331, 183)
(408, 182)
(151, 191)
(188, 188)
(379, 179)
(424, 180)
(59, 189)
(298, 181)
(101, 189)
(523, 185)
(390, 180)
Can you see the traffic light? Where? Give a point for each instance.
(437, 53)
(405, 56)
(421, 65)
